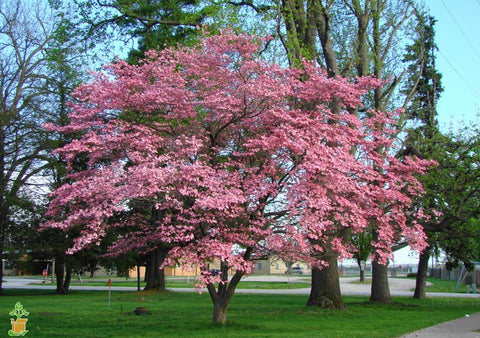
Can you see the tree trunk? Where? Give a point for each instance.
(4, 210)
(220, 312)
(154, 276)
(1, 269)
(362, 273)
(421, 281)
(380, 291)
(68, 278)
(2, 241)
(138, 275)
(325, 289)
(221, 298)
(60, 273)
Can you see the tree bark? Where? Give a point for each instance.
(380, 291)
(4, 210)
(421, 281)
(1, 268)
(220, 312)
(155, 277)
(2, 241)
(60, 273)
(325, 289)
(68, 278)
(221, 298)
(362, 273)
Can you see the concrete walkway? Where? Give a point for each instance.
(399, 287)
(461, 327)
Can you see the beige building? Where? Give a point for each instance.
(275, 265)
(169, 271)
(270, 266)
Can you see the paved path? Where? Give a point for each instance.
(398, 287)
(461, 327)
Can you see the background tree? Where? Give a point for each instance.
(452, 189)
(25, 31)
(144, 24)
(363, 249)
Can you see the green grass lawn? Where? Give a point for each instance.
(443, 285)
(241, 285)
(191, 284)
(86, 314)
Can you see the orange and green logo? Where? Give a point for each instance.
(19, 325)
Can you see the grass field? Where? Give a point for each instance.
(86, 314)
(170, 283)
(442, 285)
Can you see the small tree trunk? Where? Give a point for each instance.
(325, 289)
(1, 268)
(3, 225)
(138, 275)
(421, 281)
(220, 312)
(221, 298)
(362, 276)
(362, 272)
(380, 291)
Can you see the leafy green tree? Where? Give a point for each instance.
(363, 244)
(142, 24)
(66, 66)
(453, 190)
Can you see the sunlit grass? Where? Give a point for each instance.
(443, 285)
(172, 283)
(86, 314)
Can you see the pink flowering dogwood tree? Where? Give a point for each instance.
(237, 159)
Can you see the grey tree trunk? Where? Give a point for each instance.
(221, 298)
(325, 288)
(362, 273)
(380, 290)
(421, 281)
(220, 312)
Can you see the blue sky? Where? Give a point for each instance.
(458, 59)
